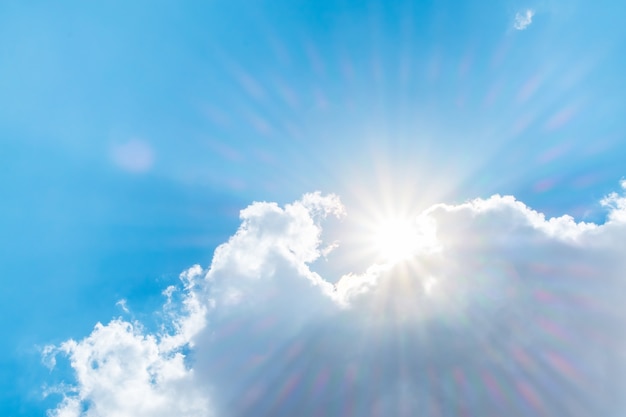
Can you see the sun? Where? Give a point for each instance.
(395, 239)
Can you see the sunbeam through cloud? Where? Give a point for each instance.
(510, 313)
(402, 208)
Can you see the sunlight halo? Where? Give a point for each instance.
(396, 239)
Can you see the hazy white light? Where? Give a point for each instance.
(396, 239)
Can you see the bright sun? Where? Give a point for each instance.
(396, 239)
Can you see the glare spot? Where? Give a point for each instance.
(133, 156)
(429, 285)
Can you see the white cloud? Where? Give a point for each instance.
(509, 313)
(523, 19)
(617, 204)
(122, 370)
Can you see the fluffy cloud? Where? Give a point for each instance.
(122, 370)
(523, 19)
(503, 312)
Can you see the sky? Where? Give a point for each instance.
(338, 208)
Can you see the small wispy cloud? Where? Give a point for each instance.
(123, 305)
(523, 19)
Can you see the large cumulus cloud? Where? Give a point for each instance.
(500, 312)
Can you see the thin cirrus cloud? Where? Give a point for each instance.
(504, 312)
(523, 19)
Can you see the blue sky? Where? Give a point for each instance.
(133, 135)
